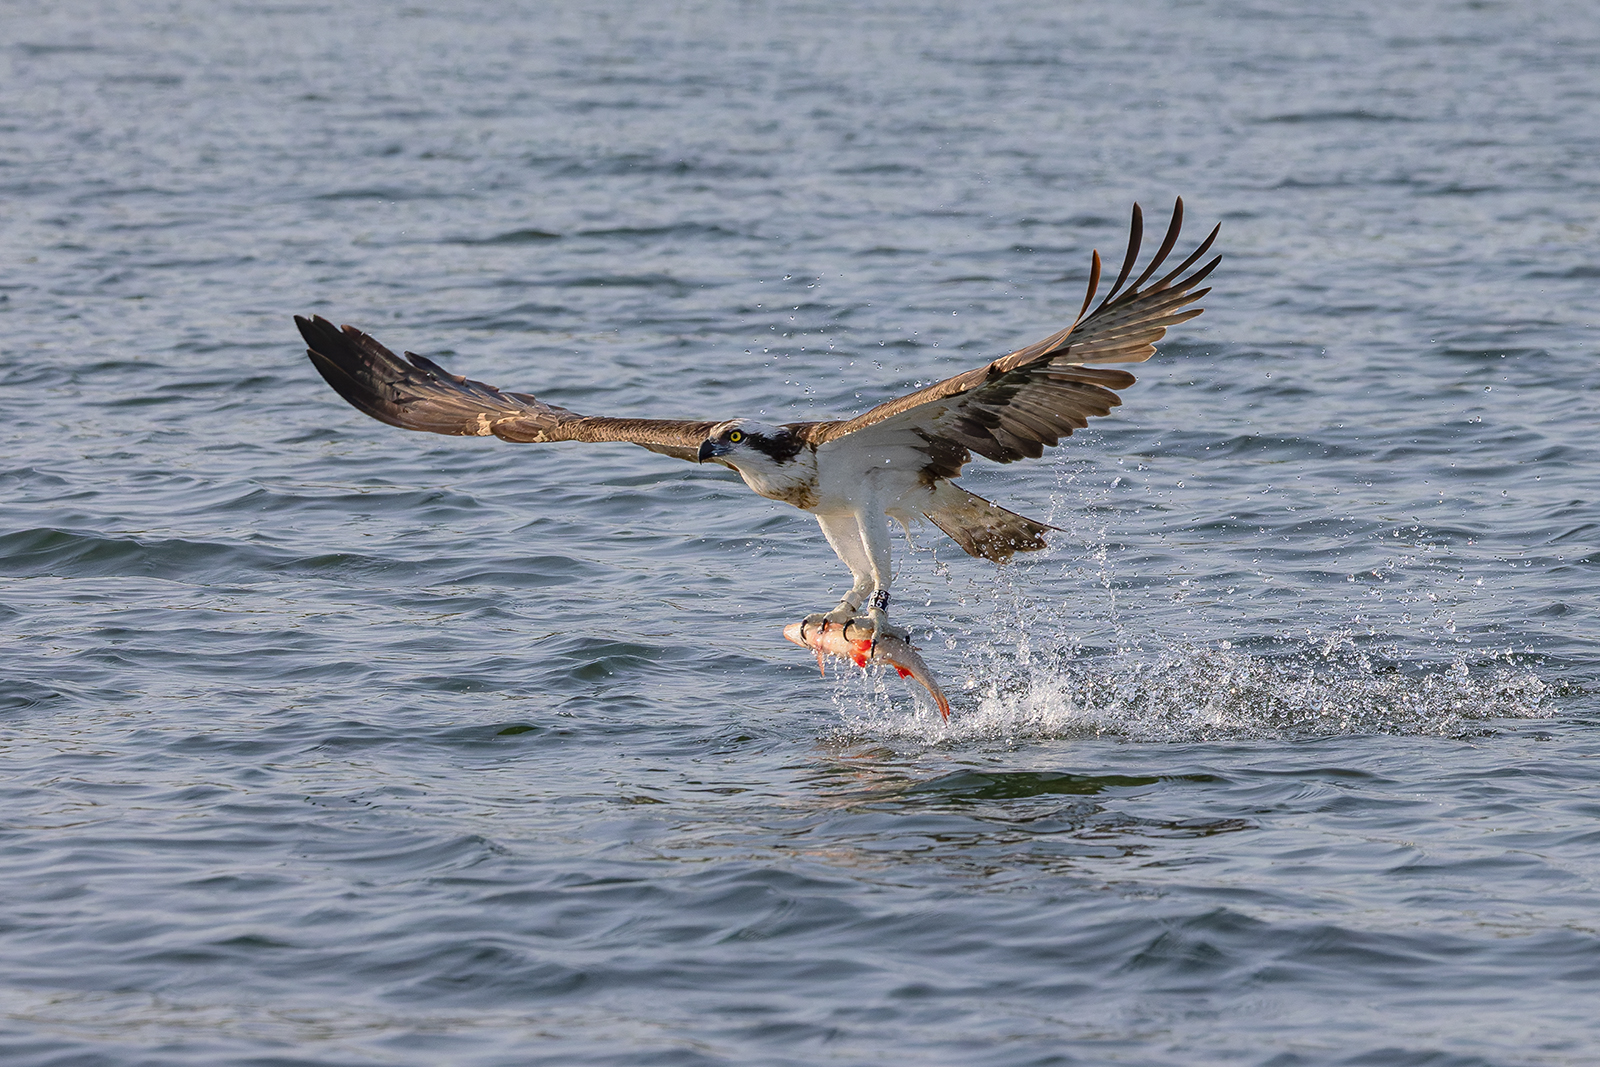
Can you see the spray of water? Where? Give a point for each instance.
(1125, 662)
(1191, 692)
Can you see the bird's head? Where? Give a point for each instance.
(748, 445)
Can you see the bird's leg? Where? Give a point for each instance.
(874, 526)
(844, 535)
(850, 604)
(878, 616)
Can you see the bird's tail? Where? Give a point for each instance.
(982, 528)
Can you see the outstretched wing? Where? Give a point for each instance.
(1027, 401)
(421, 395)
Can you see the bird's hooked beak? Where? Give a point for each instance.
(710, 448)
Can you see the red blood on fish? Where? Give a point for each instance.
(832, 639)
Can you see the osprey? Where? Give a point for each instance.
(896, 461)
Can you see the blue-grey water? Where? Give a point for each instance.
(322, 743)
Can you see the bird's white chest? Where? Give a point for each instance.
(793, 482)
(838, 477)
(852, 478)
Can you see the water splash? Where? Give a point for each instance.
(1152, 646)
(1191, 692)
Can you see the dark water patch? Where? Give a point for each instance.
(1292, 183)
(1565, 510)
(30, 49)
(160, 81)
(196, 263)
(665, 283)
(68, 552)
(1485, 355)
(886, 251)
(524, 318)
(675, 230)
(423, 505)
(482, 968)
(32, 478)
(880, 169)
(975, 786)
(636, 164)
(311, 435)
(537, 572)
(586, 657)
(1207, 445)
(125, 367)
(147, 401)
(104, 191)
(491, 733)
(438, 854)
(1581, 271)
(509, 237)
(590, 105)
(396, 114)
(353, 566)
(1331, 117)
(88, 554)
(1278, 448)
(396, 193)
(19, 695)
(1460, 189)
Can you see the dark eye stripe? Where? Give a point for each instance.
(781, 447)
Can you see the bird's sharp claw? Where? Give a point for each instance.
(860, 631)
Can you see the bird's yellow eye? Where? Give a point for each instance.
(735, 436)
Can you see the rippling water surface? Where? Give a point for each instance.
(328, 744)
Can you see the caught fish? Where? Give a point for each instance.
(853, 641)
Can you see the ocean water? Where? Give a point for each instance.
(322, 743)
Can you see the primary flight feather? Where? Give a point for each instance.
(896, 461)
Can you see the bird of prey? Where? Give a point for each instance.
(898, 460)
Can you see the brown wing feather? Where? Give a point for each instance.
(1027, 401)
(416, 393)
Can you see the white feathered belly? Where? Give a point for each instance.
(855, 480)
